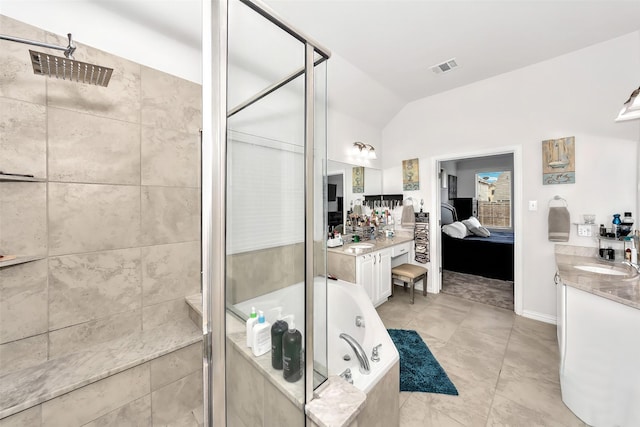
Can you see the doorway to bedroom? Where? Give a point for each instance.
(477, 253)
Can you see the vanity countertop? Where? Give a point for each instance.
(621, 289)
(382, 243)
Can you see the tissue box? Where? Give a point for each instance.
(332, 243)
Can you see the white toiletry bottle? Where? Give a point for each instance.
(634, 251)
(261, 336)
(251, 321)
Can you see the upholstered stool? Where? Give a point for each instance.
(409, 273)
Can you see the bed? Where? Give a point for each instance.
(483, 256)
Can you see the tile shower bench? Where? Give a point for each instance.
(29, 387)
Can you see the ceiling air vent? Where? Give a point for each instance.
(445, 66)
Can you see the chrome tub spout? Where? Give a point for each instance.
(359, 351)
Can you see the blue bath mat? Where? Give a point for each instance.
(419, 370)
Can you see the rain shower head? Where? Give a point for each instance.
(64, 68)
(69, 69)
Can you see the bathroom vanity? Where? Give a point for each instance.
(598, 321)
(369, 263)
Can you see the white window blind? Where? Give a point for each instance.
(265, 193)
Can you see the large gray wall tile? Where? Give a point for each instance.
(175, 365)
(23, 353)
(170, 272)
(266, 270)
(120, 100)
(279, 410)
(23, 218)
(95, 400)
(175, 310)
(23, 138)
(23, 301)
(133, 414)
(169, 158)
(177, 400)
(31, 417)
(245, 389)
(92, 149)
(17, 79)
(91, 286)
(78, 337)
(84, 217)
(169, 102)
(382, 404)
(170, 215)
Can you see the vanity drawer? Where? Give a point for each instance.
(398, 250)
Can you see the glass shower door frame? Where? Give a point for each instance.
(215, 113)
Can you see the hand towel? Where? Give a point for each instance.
(408, 216)
(357, 210)
(559, 224)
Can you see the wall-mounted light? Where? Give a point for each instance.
(366, 151)
(631, 108)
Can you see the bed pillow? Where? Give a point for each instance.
(457, 230)
(474, 227)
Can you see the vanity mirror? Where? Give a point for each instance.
(340, 175)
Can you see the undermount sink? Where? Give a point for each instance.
(609, 271)
(359, 248)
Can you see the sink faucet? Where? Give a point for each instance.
(632, 265)
(359, 351)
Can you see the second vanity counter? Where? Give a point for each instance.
(624, 289)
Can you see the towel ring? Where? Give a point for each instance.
(558, 199)
(408, 199)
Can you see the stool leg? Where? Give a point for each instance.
(424, 284)
(413, 285)
(392, 286)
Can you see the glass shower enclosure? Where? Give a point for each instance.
(264, 210)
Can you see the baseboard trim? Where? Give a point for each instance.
(546, 318)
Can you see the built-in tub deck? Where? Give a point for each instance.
(25, 388)
(237, 335)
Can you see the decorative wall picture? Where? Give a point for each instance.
(453, 187)
(357, 179)
(559, 161)
(410, 175)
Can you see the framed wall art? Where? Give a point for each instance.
(410, 175)
(357, 179)
(452, 187)
(559, 161)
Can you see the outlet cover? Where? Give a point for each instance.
(584, 230)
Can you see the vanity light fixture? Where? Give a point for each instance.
(360, 149)
(631, 108)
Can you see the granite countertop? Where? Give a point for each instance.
(622, 289)
(381, 243)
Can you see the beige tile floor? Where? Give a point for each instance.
(504, 366)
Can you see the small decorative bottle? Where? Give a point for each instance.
(616, 225)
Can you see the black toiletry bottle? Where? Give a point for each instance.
(292, 354)
(277, 330)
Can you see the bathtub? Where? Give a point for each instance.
(345, 302)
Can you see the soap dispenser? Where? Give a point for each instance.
(261, 336)
(278, 329)
(251, 321)
(292, 353)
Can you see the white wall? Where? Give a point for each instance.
(577, 94)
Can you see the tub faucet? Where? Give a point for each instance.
(359, 351)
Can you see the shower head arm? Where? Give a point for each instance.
(68, 50)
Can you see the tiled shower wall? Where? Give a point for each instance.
(118, 220)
